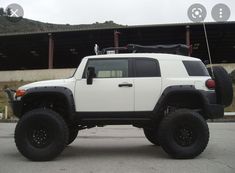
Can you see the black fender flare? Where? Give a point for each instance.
(179, 89)
(54, 90)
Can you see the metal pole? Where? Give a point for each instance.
(6, 112)
(188, 39)
(50, 51)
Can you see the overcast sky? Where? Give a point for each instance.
(126, 12)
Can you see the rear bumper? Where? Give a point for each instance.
(16, 105)
(211, 108)
(214, 111)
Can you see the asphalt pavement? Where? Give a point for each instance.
(121, 149)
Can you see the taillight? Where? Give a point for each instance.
(210, 84)
(20, 93)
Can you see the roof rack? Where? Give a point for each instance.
(180, 49)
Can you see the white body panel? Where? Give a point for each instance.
(174, 73)
(104, 95)
(67, 83)
(147, 93)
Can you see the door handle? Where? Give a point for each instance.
(125, 85)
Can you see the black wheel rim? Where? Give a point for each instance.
(39, 137)
(185, 135)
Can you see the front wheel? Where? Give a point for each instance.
(183, 134)
(73, 133)
(41, 135)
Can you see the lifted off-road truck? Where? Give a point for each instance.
(170, 96)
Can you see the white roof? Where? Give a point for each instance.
(158, 56)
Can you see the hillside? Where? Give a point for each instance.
(27, 25)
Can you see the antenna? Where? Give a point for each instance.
(197, 13)
(208, 48)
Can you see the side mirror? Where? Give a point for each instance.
(90, 75)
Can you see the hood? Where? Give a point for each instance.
(58, 82)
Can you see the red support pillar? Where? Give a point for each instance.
(188, 39)
(116, 39)
(50, 51)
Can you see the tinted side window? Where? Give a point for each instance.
(147, 68)
(195, 68)
(109, 68)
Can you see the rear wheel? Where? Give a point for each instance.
(183, 134)
(152, 135)
(41, 135)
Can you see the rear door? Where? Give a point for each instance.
(147, 83)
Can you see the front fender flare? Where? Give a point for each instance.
(60, 91)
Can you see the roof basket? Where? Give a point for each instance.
(180, 49)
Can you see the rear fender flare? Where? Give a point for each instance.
(178, 89)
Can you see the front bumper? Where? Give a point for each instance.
(16, 105)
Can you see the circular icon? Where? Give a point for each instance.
(14, 12)
(220, 12)
(197, 13)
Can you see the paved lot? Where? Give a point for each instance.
(121, 149)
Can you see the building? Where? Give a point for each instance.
(65, 49)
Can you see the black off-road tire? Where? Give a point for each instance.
(152, 135)
(183, 134)
(224, 87)
(73, 133)
(41, 135)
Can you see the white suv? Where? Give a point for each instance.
(169, 96)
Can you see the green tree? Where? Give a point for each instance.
(2, 12)
(8, 12)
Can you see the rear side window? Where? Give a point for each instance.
(195, 68)
(147, 68)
